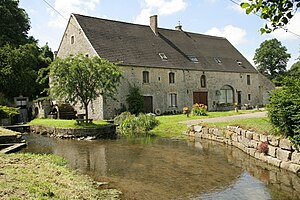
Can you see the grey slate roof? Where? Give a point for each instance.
(137, 45)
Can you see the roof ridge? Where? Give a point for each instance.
(111, 20)
(159, 28)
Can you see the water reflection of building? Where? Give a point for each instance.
(83, 155)
(167, 169)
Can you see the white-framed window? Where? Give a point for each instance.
(226, 94)
(145, 77)
(173, 99)
(171, 77)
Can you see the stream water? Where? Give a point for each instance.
(172, 169)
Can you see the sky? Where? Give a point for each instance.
(213, 17)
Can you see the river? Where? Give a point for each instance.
(164, 168)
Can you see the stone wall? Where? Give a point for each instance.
(69, 133)
(275, 178)
(186, 82)
(41, 109)
(280, 151)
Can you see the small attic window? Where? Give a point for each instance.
(193, 59)
(72, 39)
(163, 56)
(217, 60)
(240, 64)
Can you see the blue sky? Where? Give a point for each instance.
(212, 17)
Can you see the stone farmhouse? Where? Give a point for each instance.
(172, 68)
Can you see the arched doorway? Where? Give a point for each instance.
(226, 95)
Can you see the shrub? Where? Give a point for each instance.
(263, 147)
(135, 101)
(120, 118)
(199, 110)
(284, 106)
(6, 112)
(131, 125)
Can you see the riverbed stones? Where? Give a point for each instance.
(283, 155)
(296, 158)
(285, 144)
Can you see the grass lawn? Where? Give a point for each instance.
(259, 125)
(30, 176)
(62, 123)
(170, 127)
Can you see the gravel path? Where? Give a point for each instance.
(226, 118)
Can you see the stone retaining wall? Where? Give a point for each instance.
(280, 151)
(104, 132)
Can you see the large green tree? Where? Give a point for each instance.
(277, 12)
(14, 24)
(79, 79)
(295, 69)
(19, 69)
(271, 58)
(20, 56)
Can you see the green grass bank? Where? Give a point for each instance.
(61, 123)
(170, 127)
(30, 176)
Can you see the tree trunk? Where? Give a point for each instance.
(86, 113)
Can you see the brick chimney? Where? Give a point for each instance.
(153, 24)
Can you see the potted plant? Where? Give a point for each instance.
(186, 111)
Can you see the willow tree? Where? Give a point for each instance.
(80, 79)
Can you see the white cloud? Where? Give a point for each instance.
(293, 26)
(159, 7)
(66, 7)
(234, 34)
(237, 8)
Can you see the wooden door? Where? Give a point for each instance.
(200, 98)
(148, 104)
(239, 96)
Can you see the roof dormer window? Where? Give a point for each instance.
(193, 59)
(163, 56)
(240, 64)
(217, 60)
